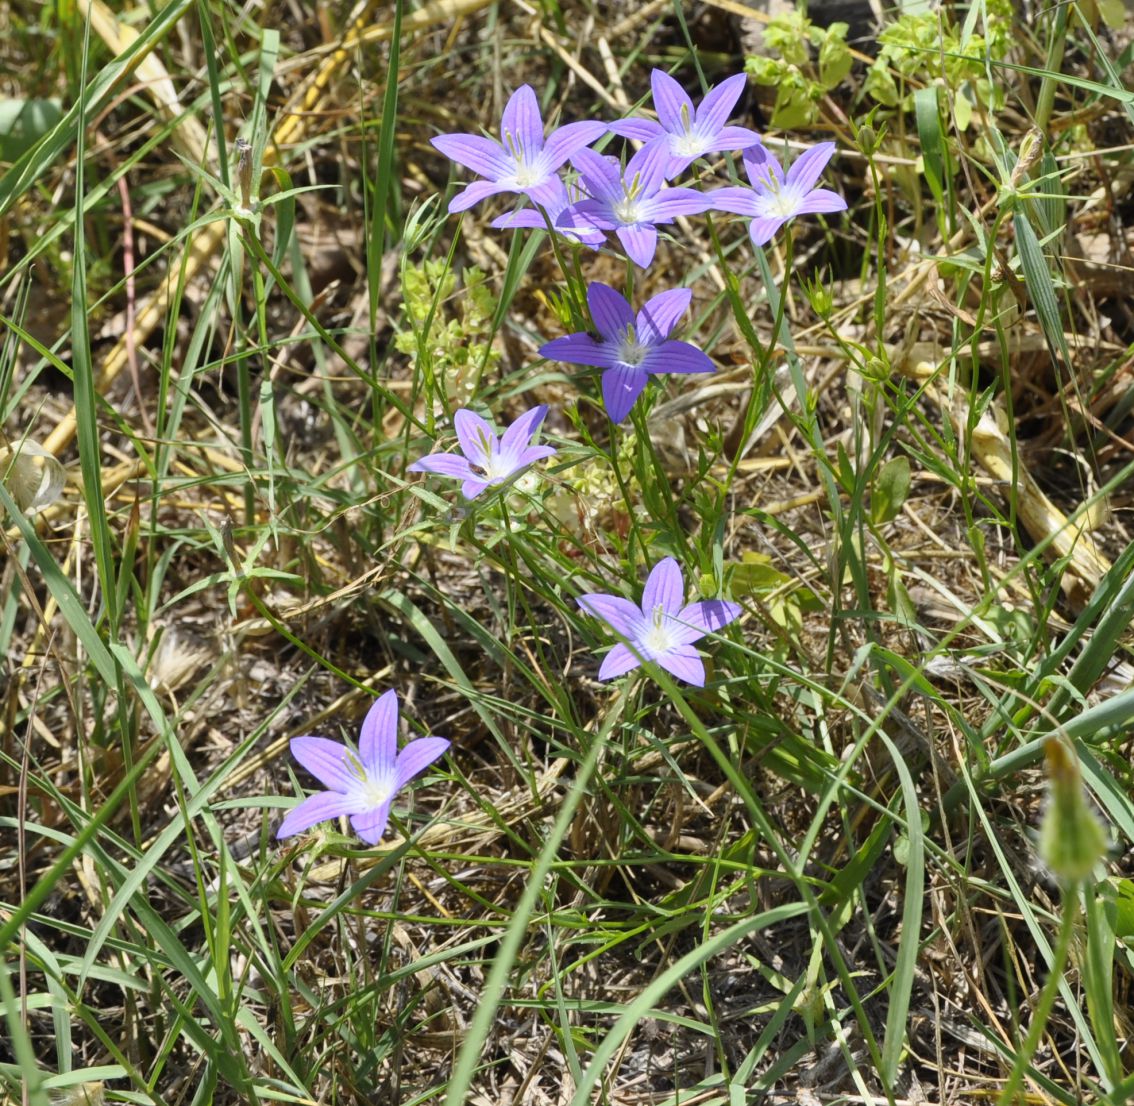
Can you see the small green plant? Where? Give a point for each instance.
(926, 48)
(448, 332)
(807, 62)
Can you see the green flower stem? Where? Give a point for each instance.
(1046, 999)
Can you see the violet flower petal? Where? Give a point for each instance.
(667, 205)
(821, 201)
(661, 313)
(416, 756)
(761, 164)
(640, 242)
(566, 140)
(621, 387)
(475, 435)
(378, 738)
(719, 101)
(371, 824)
(547, 193)
(709, 616)
(645, 171)
(517, 436)
(664, 588)
(473, 193)
(590, 216)
(328, 761)
(676, 357)
(733, 138)
(734, 199)
(762, 230)
(578, 349)
(623, 616)
(443, 464)
(806, 170)
(521, 125)
(636, 129)
(323, 806)
(610, 312)
(618, 662)
(482, 155)
(600, 174)
(671, 102)
(685, 663)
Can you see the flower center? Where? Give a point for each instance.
(776, 200)
(656, 640)
(496, 468)
(782, 203)
(628, 210)
(690, 144)
(632, 350)
(376, 792)
(529, 172)
(372, 791)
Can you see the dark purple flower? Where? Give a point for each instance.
(360, 786)
(662, 630)
(773, 198)
(523, 161)
(629, 349)
(487, 460)
(690, 132)
(631, 201)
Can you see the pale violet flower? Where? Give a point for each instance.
(775, 198)
(663, 628)
(631, 201)
(360, 786)
(523, 161)
(487, 460)
(630, 349)
(690, 133)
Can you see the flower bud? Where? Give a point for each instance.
(1072, 840)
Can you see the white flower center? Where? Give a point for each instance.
(628, 211)
(689, 144)
(775, 199)
(376, 792)
(781, 203)
(631, 350)
(372, 791)
(496, 467)
(527, 174)
(657, 639)
(529, 166)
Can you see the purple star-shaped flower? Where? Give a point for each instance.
(360, 786)
(487, 460)
(662, 630)
(630, 349)
(631, 201)
(524, 161)
(773, 198)
(690, 133)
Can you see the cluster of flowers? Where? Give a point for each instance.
(631, 201)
